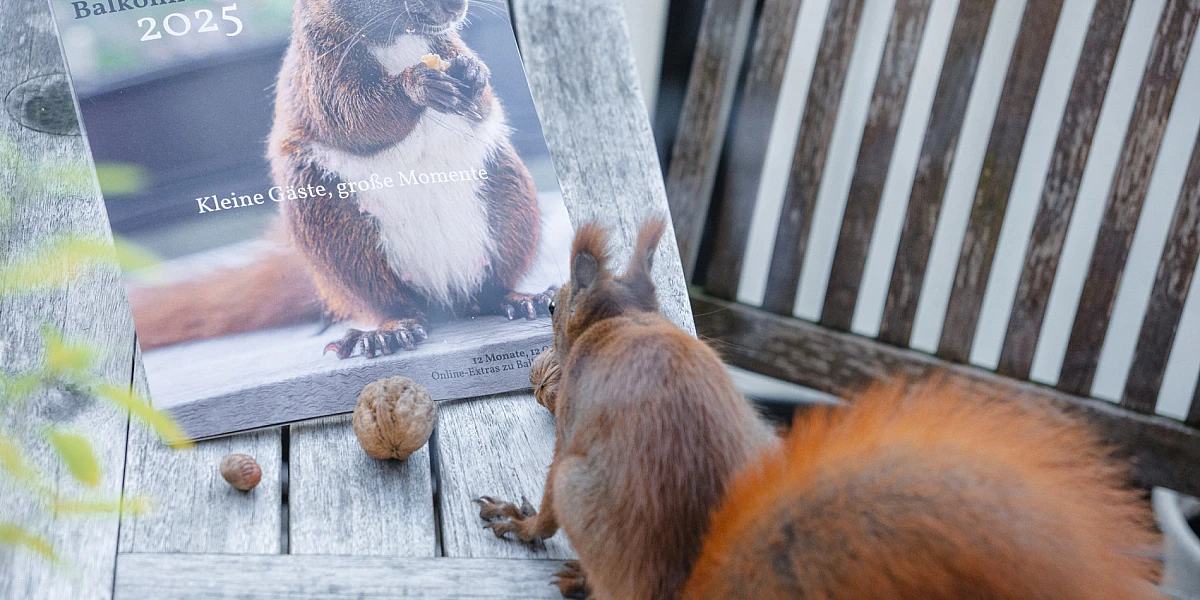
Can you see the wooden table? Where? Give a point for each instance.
(326, 521)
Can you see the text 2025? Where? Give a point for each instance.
(179, 24)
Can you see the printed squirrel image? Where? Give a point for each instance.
(669, 485)
(371, 88)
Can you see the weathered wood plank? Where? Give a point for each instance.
(599, 137)
(1163, 451)
(933, 169)
(195, 510)
(874, 161)
(746, 149)
(209, 576)
(586, 91)
(1000, 163)
(812, 148)
(91, 310)
(341, 501)
(1070, 157)
(1172, 43)
(720, 51)
(500, 447)
(1169, 294)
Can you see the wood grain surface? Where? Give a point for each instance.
(1163, 451)
(1070, 157)
(812, 148)
(37, 129)
(1000, 162)
(704, 120)
(1167, 297)
(933, 169)
(874, 161)
(736, 192)
(1172, 43)
(207, 576)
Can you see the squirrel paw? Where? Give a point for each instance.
(434, 89)
(572, 581)
(390, 337)
(473, 76)
(505, 517)
(530, 306)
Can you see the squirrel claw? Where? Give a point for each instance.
(530, 306)
(390, 337)
(572, 582)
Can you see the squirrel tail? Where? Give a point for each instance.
(929, 491)
(271, 290)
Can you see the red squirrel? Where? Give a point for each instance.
(384, 88)
(669, 484)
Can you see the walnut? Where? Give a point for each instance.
(544, 375)
(393, 418)
(433, 61)
(241, 471)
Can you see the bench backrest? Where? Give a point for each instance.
(734, 102)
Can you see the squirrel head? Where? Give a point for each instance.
(380, 22)
(595, 293)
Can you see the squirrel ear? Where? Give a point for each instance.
(588, 256)
(647, 243)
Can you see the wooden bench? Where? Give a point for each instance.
(733, 99)
(326, 520)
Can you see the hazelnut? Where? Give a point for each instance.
(241, 471)
(544, 375)
(393, 418)
(433, 61)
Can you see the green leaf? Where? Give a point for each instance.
(121, 179)
(64, 358)
(17, 388)
(161, 423)
(76, 451)
(15, 536)
(13, 462)
(54, 263)
(135, 505)
(132, 257)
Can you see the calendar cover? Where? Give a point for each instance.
(335, 191)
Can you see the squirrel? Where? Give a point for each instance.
(380, 88)
(670, 485)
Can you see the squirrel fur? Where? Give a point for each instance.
(669, 485)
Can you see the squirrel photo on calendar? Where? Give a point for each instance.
(332, 190)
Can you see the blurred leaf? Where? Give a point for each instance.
(10, 155)
(65, 358)
(121, 179)
(54, 263)
(63, 177)
(6, 208)
(14, 535)
(160, 422)
(76, 451)
(135, 505)
(18, 387)
(12, 461)
(132, 257)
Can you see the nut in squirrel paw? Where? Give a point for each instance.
(393, 418)
(434, 61)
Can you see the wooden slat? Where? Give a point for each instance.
(720, 51)
(874, 161)
(1169, 294)
(746, 149)
(195, 510)
(91, 310)
(1070, 157)
(1163, 451)
(213, 576)
(341, 501)
(498, 447)
(1142, 142)
(933, 169)
(812, 148)
(602, 147)
(996, 178)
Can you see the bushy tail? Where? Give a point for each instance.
(925, 492)
(273, 289)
